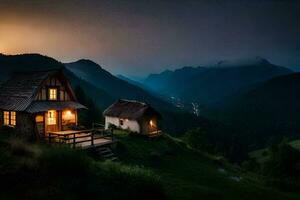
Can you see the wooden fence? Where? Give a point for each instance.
(81, 138)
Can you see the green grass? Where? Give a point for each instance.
(41, 172)
(262, 155)
(149, 169)
(295, 144)
(189, 175)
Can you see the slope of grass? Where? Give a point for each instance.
(189, 175)
(37, 171)
(295, 144)
(163, 168)
(262, 155)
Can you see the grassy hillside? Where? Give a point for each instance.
(187, 174)
(164, 168)
(39, 172)
(262, 155)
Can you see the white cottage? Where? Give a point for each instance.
(134, 116)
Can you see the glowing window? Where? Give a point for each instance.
(51, 117)
(6, 117)
(10, 118)
(68, 116)
(39, 119)
(13, 118)
(52, 94)
(151, 123)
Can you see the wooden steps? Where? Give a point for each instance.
(155, 134)
(106, 153)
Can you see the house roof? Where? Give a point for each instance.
(130, 109)
(19, 92)
(43, 106)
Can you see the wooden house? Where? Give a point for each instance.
(36, 103)
(133, 116)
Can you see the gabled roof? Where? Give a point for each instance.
(129, 109)
(43, 106)
(19, 92)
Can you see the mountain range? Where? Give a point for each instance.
(209, 85)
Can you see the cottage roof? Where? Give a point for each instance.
(130, 109)
(42, 106)
(18, 93)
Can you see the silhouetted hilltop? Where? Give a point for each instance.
(208, 85)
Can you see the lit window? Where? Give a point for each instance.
(6, 118)
(52, 94)
(51, 117)
(151, 123)
(39, 119)
(68, 116)
(9, 118)
(13, 119)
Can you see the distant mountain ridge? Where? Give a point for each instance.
(102, 79)
(242, 62)
(208, 85)
(268, 111)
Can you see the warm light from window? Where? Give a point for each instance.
(51, 117)
(68, 112)
(13, 118)
(52, 94)
(6, 118)
(68, 115)
(39, 119)
(151, 123)
(9, 118)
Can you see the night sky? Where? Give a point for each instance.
(140, 37)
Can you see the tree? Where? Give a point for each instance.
(284, 161)
(87, 116)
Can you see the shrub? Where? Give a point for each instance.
(282, 168)
(283, 161)
(112, 126)
(197, 138)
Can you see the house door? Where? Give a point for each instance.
(39, 120)
(52, 121)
